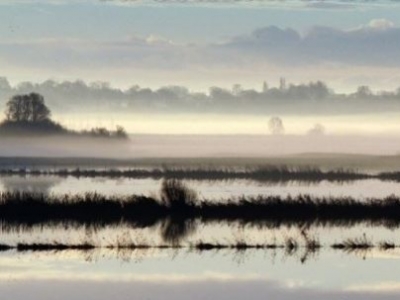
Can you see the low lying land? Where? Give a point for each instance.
(262, 174)
(358, 162)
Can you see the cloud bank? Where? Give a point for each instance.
(374, 44)
(371, 48)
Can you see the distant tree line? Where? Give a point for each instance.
(100, 95)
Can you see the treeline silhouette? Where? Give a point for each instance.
(313, 96)
(273, 174)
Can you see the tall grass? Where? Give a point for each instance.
(177, 196)
(180, 205)
(263, 174)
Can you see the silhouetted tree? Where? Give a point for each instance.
(27, 108)
(363, 92)
(120, 132)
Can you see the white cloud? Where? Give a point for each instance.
(382, 24)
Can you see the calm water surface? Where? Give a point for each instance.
(226, 189)
(212, 275)
(189, 274)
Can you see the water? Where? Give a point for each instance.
(190, 275)
(206, 189)
(188, 272)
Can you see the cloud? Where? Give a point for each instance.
(375, 44)
(290, 4)
(324, 53)
(134, 51)
(381, 24)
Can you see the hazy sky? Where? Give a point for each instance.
(346, 43)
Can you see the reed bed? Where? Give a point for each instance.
(265, 173)
(290, 245)
(180, 205)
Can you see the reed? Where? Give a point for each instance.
(181, 207)
(271, 173)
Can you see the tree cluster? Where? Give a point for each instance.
(28, 114)
(27, 108)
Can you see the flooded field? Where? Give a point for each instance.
(219, 190)
(179, 253)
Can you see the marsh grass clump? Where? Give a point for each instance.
(311, 243)
(354, 244)
(22, 247)
(387, 245)
(206, 246)
(176, 195)
(291, 246)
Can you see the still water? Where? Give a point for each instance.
(206, 189)
(187, 272)
(223, 275)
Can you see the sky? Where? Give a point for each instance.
(201, 44)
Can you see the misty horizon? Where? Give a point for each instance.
(199, 149)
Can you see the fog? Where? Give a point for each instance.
(189, 146)
(383, 124)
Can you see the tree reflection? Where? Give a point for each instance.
(29, 184)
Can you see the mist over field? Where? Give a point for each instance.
(174, 122)
(192, 146)
(199, 149)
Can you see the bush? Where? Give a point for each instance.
(176, 195)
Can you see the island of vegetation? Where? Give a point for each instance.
(28, 115)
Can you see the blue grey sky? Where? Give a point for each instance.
(184, 23)
(159, 44)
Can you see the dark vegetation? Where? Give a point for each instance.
(178, 208)
(291, 246)
(271, 174)
(28, 115)
(264, 174)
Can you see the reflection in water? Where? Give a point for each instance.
(223, 288)
(193, 276)
(103, 241)
(30, 184)
(195, 259)
(207, 189)
(174, 230)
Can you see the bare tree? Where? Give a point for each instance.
(275, 126)
(27, 108)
